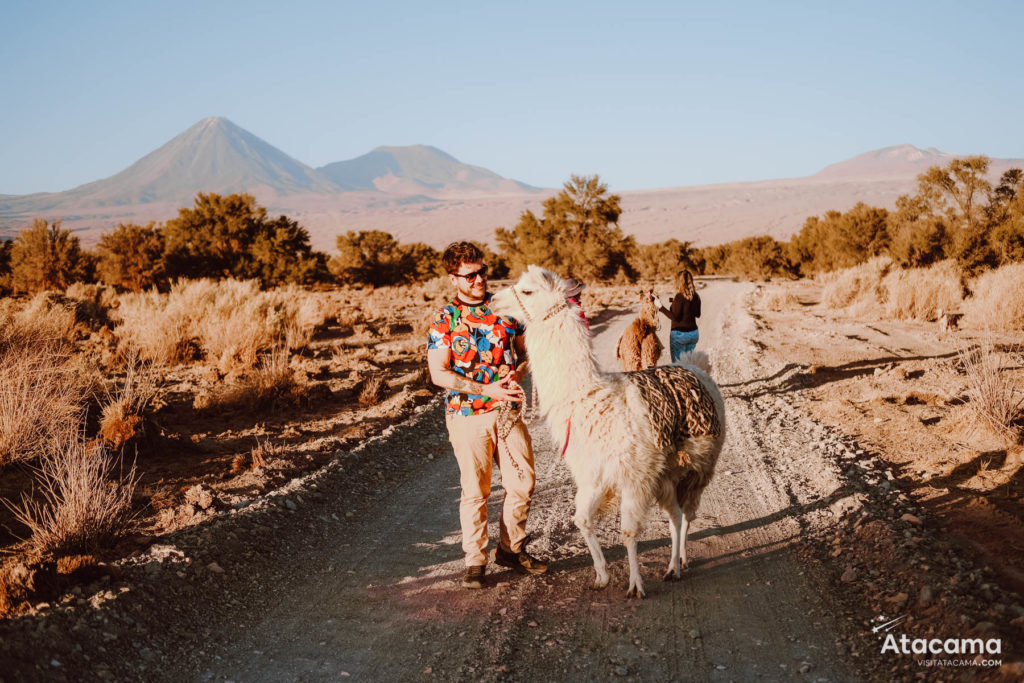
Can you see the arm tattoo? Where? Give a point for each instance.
(467, 387)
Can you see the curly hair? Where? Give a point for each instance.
(457, 253)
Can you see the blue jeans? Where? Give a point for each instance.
(681, 342)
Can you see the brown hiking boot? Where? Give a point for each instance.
(522, 562)
(474, 576)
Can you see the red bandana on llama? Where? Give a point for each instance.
(481, 345)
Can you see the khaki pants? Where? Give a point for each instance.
(474, 439)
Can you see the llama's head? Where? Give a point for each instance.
(537, 295)
(648, 309)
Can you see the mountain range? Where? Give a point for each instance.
(420, 193)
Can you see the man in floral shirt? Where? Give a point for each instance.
(478, 356)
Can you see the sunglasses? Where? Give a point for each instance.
(469, 277)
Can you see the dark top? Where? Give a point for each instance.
(685, 312)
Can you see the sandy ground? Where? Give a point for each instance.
(353, 571)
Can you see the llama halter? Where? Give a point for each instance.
(555, 308)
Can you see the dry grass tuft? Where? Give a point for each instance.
(256, 459)
(16, 585)
(273, 384)
(373, 391)
(780, 299)
(42, 394)
(230, 321)
(919, 293)
(995, 398)
(81, 504)
(122, 413)
(997, 302)
(858, 288)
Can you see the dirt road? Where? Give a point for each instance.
(378, 598)
(354, 572)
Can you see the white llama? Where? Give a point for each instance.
(645, 437)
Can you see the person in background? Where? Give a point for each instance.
(573, 293)
(683, 312)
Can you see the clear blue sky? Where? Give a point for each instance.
(648, 94)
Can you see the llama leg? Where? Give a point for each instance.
(675, 522)
(630, 530)
(683, 529)
(587, 504)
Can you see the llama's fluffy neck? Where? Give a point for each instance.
(562, 362)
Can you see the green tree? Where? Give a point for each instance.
(5, 264)
(663, 260)
(231, 236)
(578, 233)
(759, 257)
(839, 240)
(45, 256)
(132, 257)
(1005, 215)
(280, 254)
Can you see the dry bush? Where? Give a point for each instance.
(257, 458)
(43, 318)
(41, 396)
(121, 415)
(373, 391)
(272, 384)
(918, 293)
(16, 585)
(996, 399)
(231, 321)
(158, 325)
(997, 302)
(858, 288)
(780, 300)
(82, 503)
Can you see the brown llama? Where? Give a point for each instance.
(639, 347)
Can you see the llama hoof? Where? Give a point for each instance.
(599, 583)
(672, 575)
(636, 592)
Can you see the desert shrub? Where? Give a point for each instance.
(131, 257)
(41, 396)
(374, 390)
(42, 393)
(919, 293)
(840, 240)
(229, 321)
(272, 384)
(85, 498)
(577, 234)
(997, 302)
(859, 286)
(779, 299)
(996, 399)
(376, 258)
(121, 413)
(5, 266)
(231, 236)
(757, 258)
(46, 256)
(662, 260)
(157, 325)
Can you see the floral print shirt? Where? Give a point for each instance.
(482, 349)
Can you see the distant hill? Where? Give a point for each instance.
(420, 193)
(899, 162)
(418, 169)
(214, 155)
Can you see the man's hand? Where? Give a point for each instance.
(507, 389)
